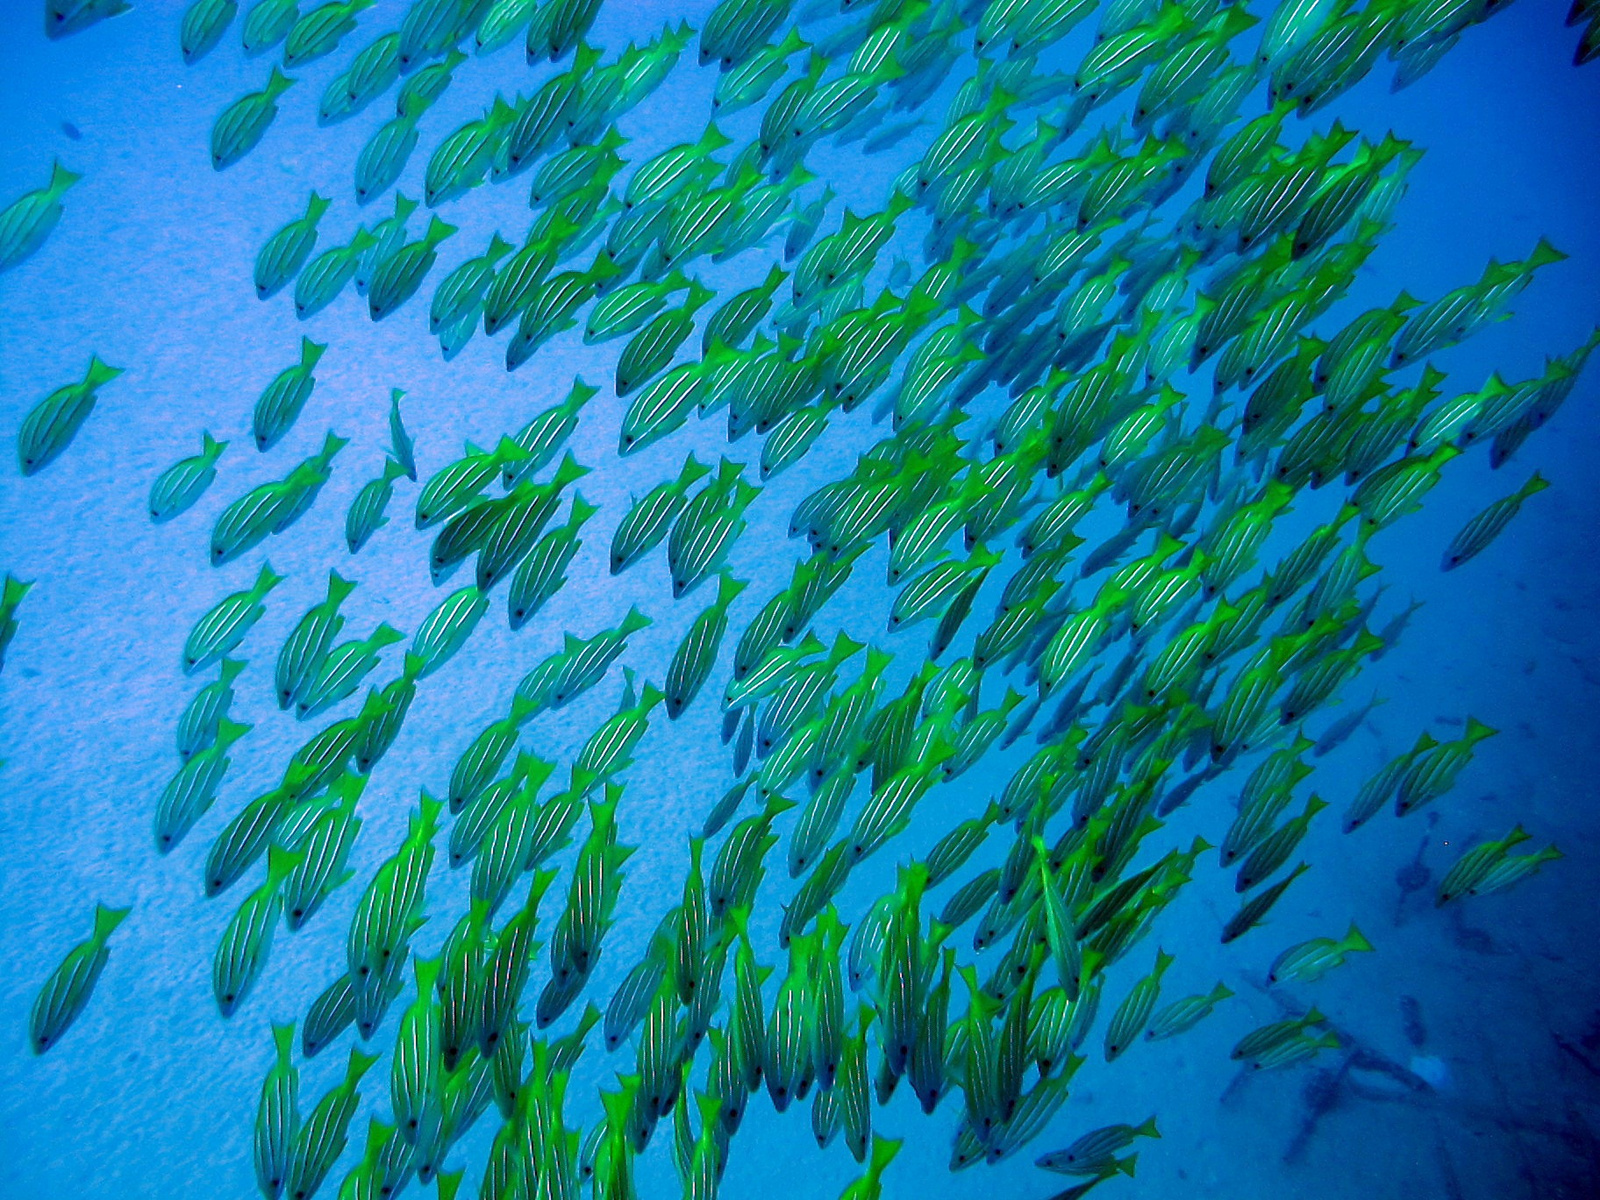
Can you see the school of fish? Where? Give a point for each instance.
(1117, 310)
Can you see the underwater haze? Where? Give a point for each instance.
(906, 598)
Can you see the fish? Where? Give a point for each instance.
(1310, 961)
(322, 279)
(63, 18)
(502, 23)
(286, 251)
(62, 998)
(192, 790)
(1090, 1154)
(540, 574)
(1182, 1015)
(202, 717)
(1133, 1014)
(180, 486)
(695, 656)
(1254, 909)
(266, 25)
(1432, 767)
(1482, 529)
(446, 629)
(323, 1132)
(326, 845)
(649, 518)
(27, 222)
(277, 1115)
(54, 422)
(461, 293)
(247, 939)
(307, 646)
(272, 507)
(399, 275)
(366, 515)
(557, 28)
(458, 485)
(218, 632)
(319, 31)
(241, 126)
(384, 916)
(463, 159)
(375, 68)
(280, 405)
(544, 436)
(1178, 614)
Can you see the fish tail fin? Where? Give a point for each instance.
(581, 392)
(391, 469)
(311, 353)
(1477, 731)
(1544, 254)
(581, 511)
(386, 635)
(283, 1041)
(339, 588)
(107, 919)
(277, 84)
(332, 444)
(360, 1063)
(1533, 487)
(229, 732)
(508, 451)
(281, 861)
(267, 579)
(100, 373)
(501, 114)
(570, 471)
(634, 621)
(426, 820)
(693, 470)
(1148, 1129)
(523, 708)
(713, 138)
(61, 178)
(316, 206)
(728, 588)
(209, 446)
(426, 971)
(699, 295)
(438, 230)
(1355, 941)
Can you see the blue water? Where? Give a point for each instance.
(152, 1094)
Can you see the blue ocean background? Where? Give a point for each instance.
(153, 1095)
